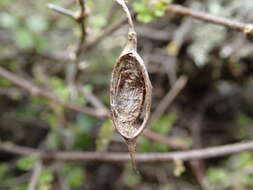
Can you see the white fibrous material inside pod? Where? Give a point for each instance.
(129, 96)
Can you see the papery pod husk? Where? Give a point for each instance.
(130, 96)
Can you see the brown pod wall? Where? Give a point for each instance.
(130, 95)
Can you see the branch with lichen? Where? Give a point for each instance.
(245, 28)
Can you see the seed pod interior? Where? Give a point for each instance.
(130, 95)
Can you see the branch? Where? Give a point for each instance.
(82, 21)
(99, 113)
(36, 91)
(94, 100)
(108, 31)
(79, 17)
(35, 176)
(62, 10)
(168, 99)
(245, 28)
(124, 157)
(178, 9)
(122, 3)
(174, 142)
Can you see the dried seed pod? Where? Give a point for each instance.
(130, 95)
(130, 91)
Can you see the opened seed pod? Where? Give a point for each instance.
(130, 94)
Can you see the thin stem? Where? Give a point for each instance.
(43, 93)
(131, 145)
(99, 113)
(35, 176)
(122, 3)
(79, 17)
(62, 10)
(108, 31)
(204, 153)
(236, 25)
(173, 142)
(82, 40)
(81, 20)
(178, 9)
(82, 6)
(132, 37)
(168, 99)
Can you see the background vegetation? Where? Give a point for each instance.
(215, 107)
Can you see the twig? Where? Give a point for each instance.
(174, 142)
(173, 49)
(122, 3)
(108, 31)
(84, 48)
(195, 123)
(131, 36)
(62, 10)
(179, 36)
(73, 67)
(35, 176)
(43, 93)
(245, 28)
(92, 99)
(168, 99)
(81, 20)
(63, 182)
(178, 9)
(79, 17)
(36, 91)
(82, 8)
(111, 13)
(124, 157)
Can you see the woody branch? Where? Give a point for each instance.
(124, 157)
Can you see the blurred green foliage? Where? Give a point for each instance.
(45, 180)
(75, 175)
(163, 126)
(27, 163)
(27, 35)
(149, 10)
(82, 131)
(130, 178)
(242, 126)
(237, 171)
(104, 136)
(179, 168)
